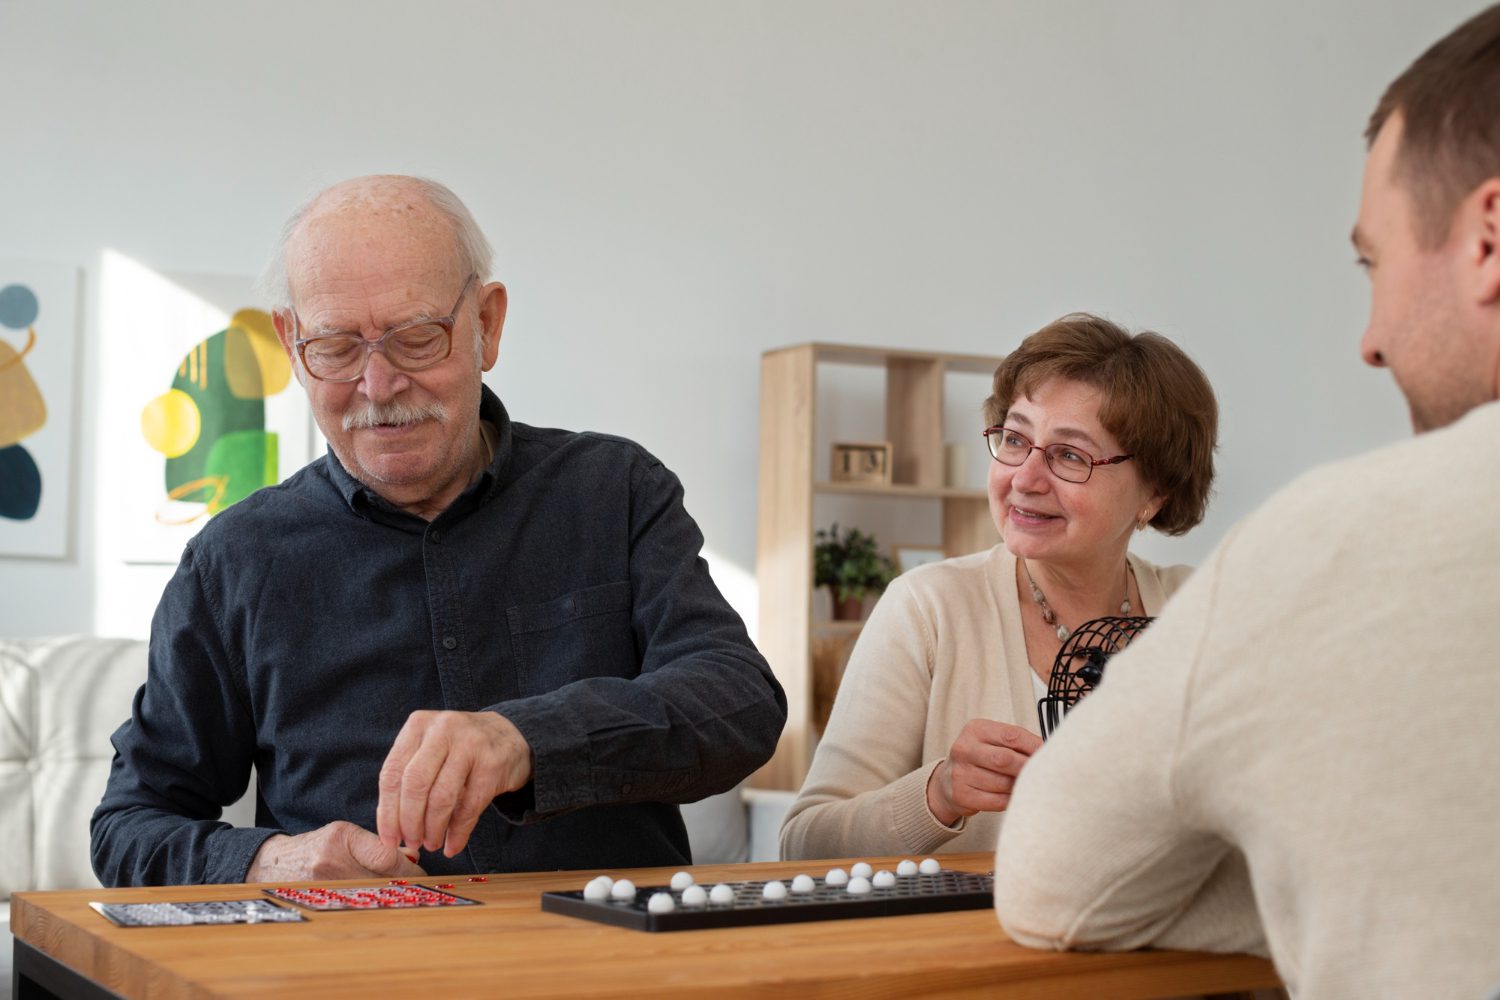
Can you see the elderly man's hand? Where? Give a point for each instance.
(442, 771)
(980, 770)
(338, 850)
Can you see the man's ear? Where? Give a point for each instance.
(283, 326)
(1483, 208)
(493, 302)
(281, 319)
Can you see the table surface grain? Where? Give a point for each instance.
(510, 947)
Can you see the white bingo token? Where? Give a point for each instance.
(906, 867)
(836, 876)
(623, 889)
(883, 880)
(661, 902)
(773, 890)
(803, 883)
(682, 880)
(861, 869)
(694, 895)
(859, 886)
(929, 866)
(598, 888)
(721, 894)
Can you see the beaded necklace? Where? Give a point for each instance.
(1050, 617)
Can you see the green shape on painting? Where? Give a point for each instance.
(246, 460)
(221, 413)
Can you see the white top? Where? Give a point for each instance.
(1040, 690)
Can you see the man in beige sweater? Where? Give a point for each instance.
(1302, 756)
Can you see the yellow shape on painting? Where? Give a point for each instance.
(254, 363)
(22, 409)
(183, 507)
(171, 423)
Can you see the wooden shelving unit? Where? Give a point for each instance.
(784, 570)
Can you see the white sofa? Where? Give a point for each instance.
(60, 699)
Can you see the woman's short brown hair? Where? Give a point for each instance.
(1157, 403)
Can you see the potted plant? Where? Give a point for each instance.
(850, 565)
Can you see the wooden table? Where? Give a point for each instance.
(509, 947)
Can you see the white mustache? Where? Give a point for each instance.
(394, 414)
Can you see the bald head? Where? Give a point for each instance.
(359, 215)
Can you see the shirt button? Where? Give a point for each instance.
(449, 642)
(434, 536)
(625, 788)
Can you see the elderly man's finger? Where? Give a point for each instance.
(371, 853)
(416, 787)
(476, 798)
(445, 795)
(388, 806)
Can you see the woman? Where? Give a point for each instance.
(1096, 434)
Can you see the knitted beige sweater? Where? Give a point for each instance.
(943, 645)
(1322, 702)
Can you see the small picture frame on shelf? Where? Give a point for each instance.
(861, 462)
(909, 557)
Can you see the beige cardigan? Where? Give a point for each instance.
(1322, 701)
(943, 645)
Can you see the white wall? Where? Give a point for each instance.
(674, 187)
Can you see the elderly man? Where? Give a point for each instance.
(1300, 755)
(454, 644)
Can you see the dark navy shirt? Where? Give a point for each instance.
(562, 589)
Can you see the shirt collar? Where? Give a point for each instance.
(364, 501)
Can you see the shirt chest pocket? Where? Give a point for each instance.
(583, 634)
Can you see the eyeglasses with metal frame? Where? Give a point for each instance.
(411, 347)
(1070, 464)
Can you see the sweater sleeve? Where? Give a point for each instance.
(866, 792)
(1101, 848)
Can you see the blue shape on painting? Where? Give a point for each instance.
(18, 307)
(20, 484)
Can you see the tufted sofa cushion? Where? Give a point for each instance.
(60, 699)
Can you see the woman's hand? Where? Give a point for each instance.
(980, 771)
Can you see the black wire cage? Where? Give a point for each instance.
(1079, 666)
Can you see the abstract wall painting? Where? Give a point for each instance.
(207, 408)
(38, 373)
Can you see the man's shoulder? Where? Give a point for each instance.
(538, 444)
(270, 512)
(1443, 481)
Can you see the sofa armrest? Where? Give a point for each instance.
(60, 699)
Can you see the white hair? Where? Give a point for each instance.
(474, 253)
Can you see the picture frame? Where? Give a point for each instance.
(861, 462)
(213, 356)
(909, 557)
(38, 383)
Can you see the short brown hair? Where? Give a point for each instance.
(1157, 403)
(1449, 102)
